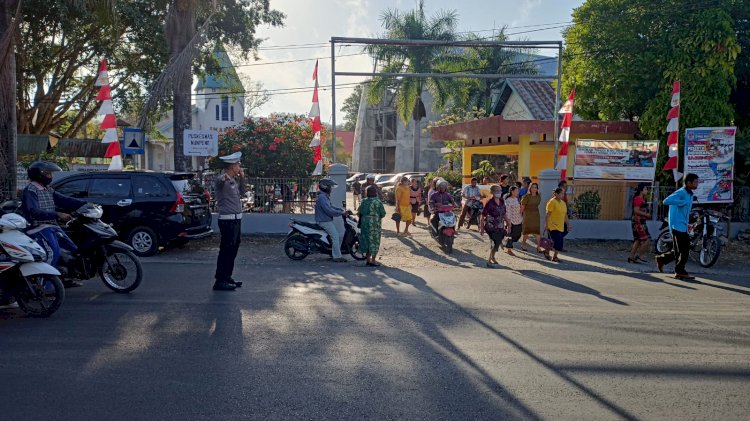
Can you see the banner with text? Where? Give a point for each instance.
(616, 160)
(709, 153)
(200, 143)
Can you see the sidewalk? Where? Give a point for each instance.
(420, 250)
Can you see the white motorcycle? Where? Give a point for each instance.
(305, 238)
(24, 276)
(446, 229)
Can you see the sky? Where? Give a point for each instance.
(314, 22)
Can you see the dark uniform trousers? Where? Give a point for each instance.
(230, 244)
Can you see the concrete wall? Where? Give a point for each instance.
(278, 224)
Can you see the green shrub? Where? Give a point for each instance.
(588, 205)
(454, 178)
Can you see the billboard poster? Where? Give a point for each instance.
(709, 153)
(616, 160)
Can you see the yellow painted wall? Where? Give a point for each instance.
(532, 158)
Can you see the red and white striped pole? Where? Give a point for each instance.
(567, 111)
(316, 127)
(109, 124)
(673, 133)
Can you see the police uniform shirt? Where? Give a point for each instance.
(228, 195)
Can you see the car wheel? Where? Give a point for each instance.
(144, 241)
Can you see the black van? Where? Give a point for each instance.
(148, 209)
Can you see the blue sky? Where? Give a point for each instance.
(315, 22)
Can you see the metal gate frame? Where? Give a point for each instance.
(432, 43)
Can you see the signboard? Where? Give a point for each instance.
(709, 153)
(616, 160)
(133, 141)
(200, 142)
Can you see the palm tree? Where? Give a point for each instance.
(414, 25)
(516, 61)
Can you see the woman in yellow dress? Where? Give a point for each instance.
(403, 206)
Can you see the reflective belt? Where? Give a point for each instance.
(231, 217)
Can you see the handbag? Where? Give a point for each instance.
(545, 242)
(396, 217)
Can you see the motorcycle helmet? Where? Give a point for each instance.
(41, 171)
(442, 183)
(326, 184)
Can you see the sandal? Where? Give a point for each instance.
(523, 248)
(547, 256)
(636, 261)
(556, 260)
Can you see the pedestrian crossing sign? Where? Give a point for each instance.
(133, 141)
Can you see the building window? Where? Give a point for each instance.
(225, 108)
(231, 113)
(217, 112)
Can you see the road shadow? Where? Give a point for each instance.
(565, 284)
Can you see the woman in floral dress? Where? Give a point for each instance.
(513, 209)
(371, 212)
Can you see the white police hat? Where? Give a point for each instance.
(231, 159)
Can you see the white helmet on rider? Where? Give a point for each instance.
(442, 183)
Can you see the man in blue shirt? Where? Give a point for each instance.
(680, 204)
(324, 214)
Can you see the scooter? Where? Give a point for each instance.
(472, 214)
(305, 238)
(25, 278)
(446, 229)
(99, 252)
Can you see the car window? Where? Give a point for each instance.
(74, 188)
(110, 187)
(147, 186)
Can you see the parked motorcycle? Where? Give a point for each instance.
(24, 276)
(704, 231)
(446, 229)
(99, 252)
(305, 238)
(474, 209)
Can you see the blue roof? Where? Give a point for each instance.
(228, 78)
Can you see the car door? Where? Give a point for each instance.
(154, 198)
(113, 193)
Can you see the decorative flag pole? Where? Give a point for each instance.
(316, 127)
(109, 124)
(673, 133)
(567, 111)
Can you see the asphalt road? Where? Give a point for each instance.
(316, 340)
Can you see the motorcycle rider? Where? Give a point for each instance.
(324, 214)
(438, 199)
(38, 205)
(470, 194)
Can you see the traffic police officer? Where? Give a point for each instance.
(228, 190)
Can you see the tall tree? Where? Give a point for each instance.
(623, 55)
(415, 25)
(351, 108)
(230, 23)
(7, 99)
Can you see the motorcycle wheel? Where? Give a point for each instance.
(449, 244)
(295, 247)
(355, 252)
(121, 271)
(46, 296)
(663, 243)
(710, 253)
